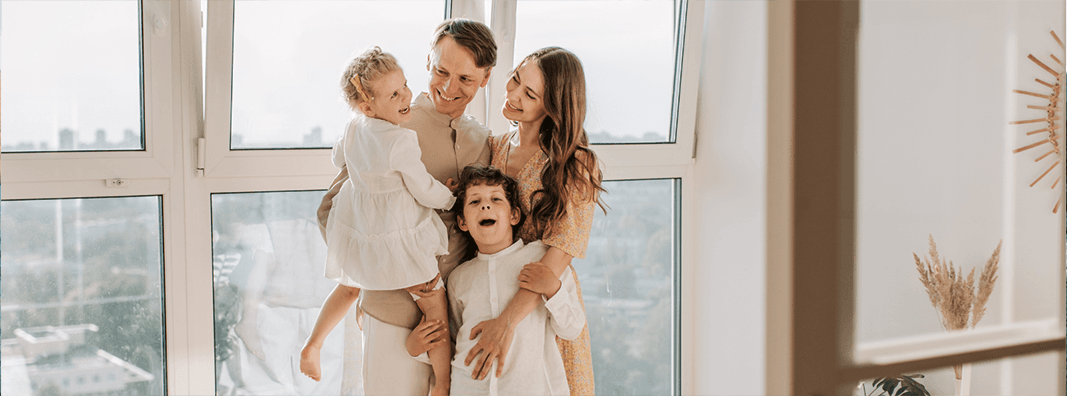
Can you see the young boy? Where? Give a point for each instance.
(488, 208)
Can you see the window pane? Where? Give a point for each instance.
(934, 159)
(628, 283)
(82, 296)
(268, 260)
(627, 50)
(73, 79)
(1029, 375)
(288, 57)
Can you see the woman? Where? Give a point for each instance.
(559, 181)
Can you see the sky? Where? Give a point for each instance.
(74, 64)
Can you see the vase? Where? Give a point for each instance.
(963, 384)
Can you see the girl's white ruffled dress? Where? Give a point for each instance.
(382, 233)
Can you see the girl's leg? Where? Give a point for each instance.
(435, 307)
(333, 310)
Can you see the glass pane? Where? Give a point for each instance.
(73, 76)
(82, 298)
(1031, 375)
(268, 260)
(635, 63)
(628, 283)
(935, 160)
(288, 57)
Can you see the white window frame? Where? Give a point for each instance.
(158, 170)
(811, 223)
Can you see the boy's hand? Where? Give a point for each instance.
(452, 185)
(538, 278)
(426, 336)
(309, 362)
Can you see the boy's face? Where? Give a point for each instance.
(488, 216)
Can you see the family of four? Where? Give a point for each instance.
(431, 214)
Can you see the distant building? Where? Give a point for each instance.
(61, 360)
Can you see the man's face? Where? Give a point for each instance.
(454, 77)
(489, 217)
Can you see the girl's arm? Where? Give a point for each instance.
(333, 310)
(406, 157)
(497, 334)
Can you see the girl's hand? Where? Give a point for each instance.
(496, 336)
(538, 278)
(309, 362)
(426, 336)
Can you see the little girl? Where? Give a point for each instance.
(383, 233)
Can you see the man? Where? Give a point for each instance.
(461, 58)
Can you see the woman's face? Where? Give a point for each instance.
(524, 101)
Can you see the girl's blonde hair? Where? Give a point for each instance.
(367, 67)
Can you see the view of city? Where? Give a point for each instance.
(82, 296)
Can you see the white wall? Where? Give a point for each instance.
(729, 188)
(934, 157)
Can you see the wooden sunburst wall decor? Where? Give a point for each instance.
(1052, 130)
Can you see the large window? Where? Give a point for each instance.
(72, 91)
(288, 57)
(632, 73)
(82, 284)
(162, 160)
(629, 284)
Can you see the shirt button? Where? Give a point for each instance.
(457, 147)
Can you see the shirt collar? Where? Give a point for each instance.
(424, 103)
(514, 246)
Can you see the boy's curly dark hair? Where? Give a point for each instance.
(476, 175)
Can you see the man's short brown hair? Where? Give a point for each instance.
(472, 35)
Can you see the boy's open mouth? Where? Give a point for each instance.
(487, 222)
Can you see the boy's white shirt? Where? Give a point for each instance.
(479, 290)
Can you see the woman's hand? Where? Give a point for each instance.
(496, 336)
(426, 336)
(538, 278)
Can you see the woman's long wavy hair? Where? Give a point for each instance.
(572, 166)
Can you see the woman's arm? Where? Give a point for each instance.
(496, 334)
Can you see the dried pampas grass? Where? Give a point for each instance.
(953, 296)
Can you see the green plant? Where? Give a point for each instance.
(902, 385)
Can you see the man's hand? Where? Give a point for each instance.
(538, 278)
(496, 336)
(426, 336)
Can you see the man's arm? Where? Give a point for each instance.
(327, 200)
